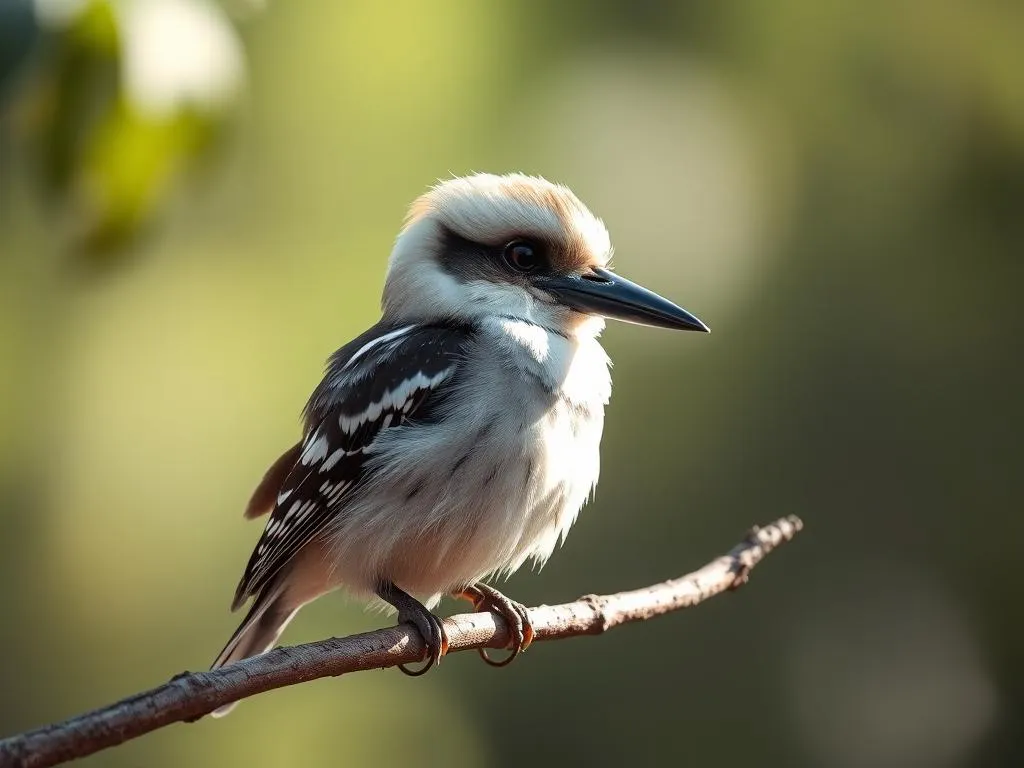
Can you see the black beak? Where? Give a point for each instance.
(600, 292)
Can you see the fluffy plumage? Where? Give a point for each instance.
(458, 437)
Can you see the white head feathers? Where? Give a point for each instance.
(490, 210)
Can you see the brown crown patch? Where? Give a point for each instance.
(494, 209)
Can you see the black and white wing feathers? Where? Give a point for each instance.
(380, 380)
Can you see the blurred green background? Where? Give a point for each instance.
(196, 206)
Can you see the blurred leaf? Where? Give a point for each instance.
(77, 86)
(127, 172)
(18, 34)
(108, 162)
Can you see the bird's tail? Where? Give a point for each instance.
(258, 633)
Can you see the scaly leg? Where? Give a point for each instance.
(486, 598)
(412, 611)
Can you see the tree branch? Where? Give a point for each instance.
(189, 696)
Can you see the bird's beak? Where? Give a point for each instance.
(600, 292)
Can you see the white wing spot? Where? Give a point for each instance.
(333, 459)
(398, 399)
(336, 494)
(379, 340)
(292, 509)
(315, 451)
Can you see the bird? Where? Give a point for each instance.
(459, 436)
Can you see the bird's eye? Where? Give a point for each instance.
(522, 256)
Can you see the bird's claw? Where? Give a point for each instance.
(412, 611)
(487, 598)
(434, 637)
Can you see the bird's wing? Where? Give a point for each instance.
(264, 498)
(379, 380)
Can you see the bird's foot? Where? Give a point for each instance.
(486, 598)
(412, 611)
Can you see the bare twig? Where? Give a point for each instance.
(189, 696)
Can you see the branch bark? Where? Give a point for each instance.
(189, 696)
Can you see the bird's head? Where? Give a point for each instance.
(514, 246)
